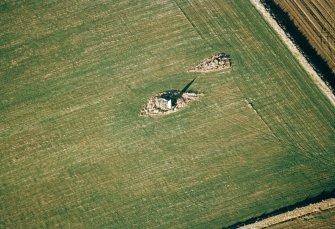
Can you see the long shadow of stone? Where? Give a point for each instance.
(174, 95)
(302, 42)
(308, 201)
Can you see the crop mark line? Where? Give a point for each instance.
(189, 20)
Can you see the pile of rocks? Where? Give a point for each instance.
(168, 102)
(218, 62)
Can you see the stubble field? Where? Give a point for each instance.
(316, 19)
(74, 76)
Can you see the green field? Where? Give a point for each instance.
(74, 76)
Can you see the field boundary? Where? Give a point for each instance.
(294, 214)
(295, 51)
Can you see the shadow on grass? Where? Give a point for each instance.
(308, 201)
(284, 20)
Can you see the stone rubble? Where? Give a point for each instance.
(168, 102)
(218, 62)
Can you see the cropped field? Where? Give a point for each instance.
(74, 76)
(316, 19)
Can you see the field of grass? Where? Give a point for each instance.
(74, 76)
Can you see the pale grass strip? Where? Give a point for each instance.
(294, 214)
(292, 47)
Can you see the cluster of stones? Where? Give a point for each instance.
(168, 102)
(172, 101)
(218, 62)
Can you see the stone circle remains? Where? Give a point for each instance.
(168, 102)
(171, 101)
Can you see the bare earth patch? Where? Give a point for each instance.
(216, 63)
(168, 102)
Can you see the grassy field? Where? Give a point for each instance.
(74, 76)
